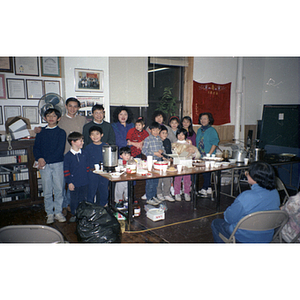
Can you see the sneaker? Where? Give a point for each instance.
(178, 197)
(60, 218)
(152, 201)
(72, 219)
(209, 191)
(202, 193)
(169, 198)
(119, 205)
(144, 197)
(157, 200)
(50, 219)
(187, 197)
(160, 197)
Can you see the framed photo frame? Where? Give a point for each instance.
(1, 116)
(15, 88)
(51, 86)
(6, 64)
(12, 111)
(34, 89)
(51, 66)
(87, 80)
(31, 113)
(28, 66)
(2, 87)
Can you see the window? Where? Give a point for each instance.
(165, 90)
(161, 78)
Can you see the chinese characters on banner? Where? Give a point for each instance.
(213, 98)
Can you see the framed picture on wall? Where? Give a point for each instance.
(2, 87)
(12, 111)
(34, 88)
(52, 86)
(31, 113)
(50, 66)
(27, 66)
(88, 80)
(15, 88)
(6, 64)
(1, 116)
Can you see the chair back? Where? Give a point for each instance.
(30, 234)
(281, 187)
(261, 221)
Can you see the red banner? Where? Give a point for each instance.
(213, 98)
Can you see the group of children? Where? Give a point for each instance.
(76, 165)
(156, 144)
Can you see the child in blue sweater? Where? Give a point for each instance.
(48, 150)
(98, 185)
(76, 172)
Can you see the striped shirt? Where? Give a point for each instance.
(152, 144)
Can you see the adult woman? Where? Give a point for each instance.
(263, 196)
(207, 140)
(122, 122)
(160, 117)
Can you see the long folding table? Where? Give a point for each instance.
(130, 178)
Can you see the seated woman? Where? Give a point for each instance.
(292, 228)
(263, 196)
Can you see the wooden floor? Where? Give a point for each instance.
(182, 223)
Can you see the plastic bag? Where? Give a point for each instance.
(96, 224)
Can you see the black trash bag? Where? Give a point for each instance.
(97, 224)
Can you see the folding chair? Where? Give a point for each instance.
(281, 187)
(30, 234)
(260, 221)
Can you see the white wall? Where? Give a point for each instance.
(283, 88)
(23, 102)
(219, 70)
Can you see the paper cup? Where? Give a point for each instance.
(164, 168)
(149, 163)
(207, 164)
(246, 161)
(179, 168)
(97, 167)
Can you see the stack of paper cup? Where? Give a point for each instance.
(149, 162)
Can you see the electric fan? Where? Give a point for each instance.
(51, 100)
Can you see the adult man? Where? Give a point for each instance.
(108, 132)
(72, 121)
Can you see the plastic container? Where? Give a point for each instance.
(131, 166)
(158, 165)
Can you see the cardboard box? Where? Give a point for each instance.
(17, 127)
(12, 120)
(20, 134)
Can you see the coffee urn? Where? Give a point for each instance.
(110, 157)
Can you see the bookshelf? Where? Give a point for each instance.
(19, 181)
